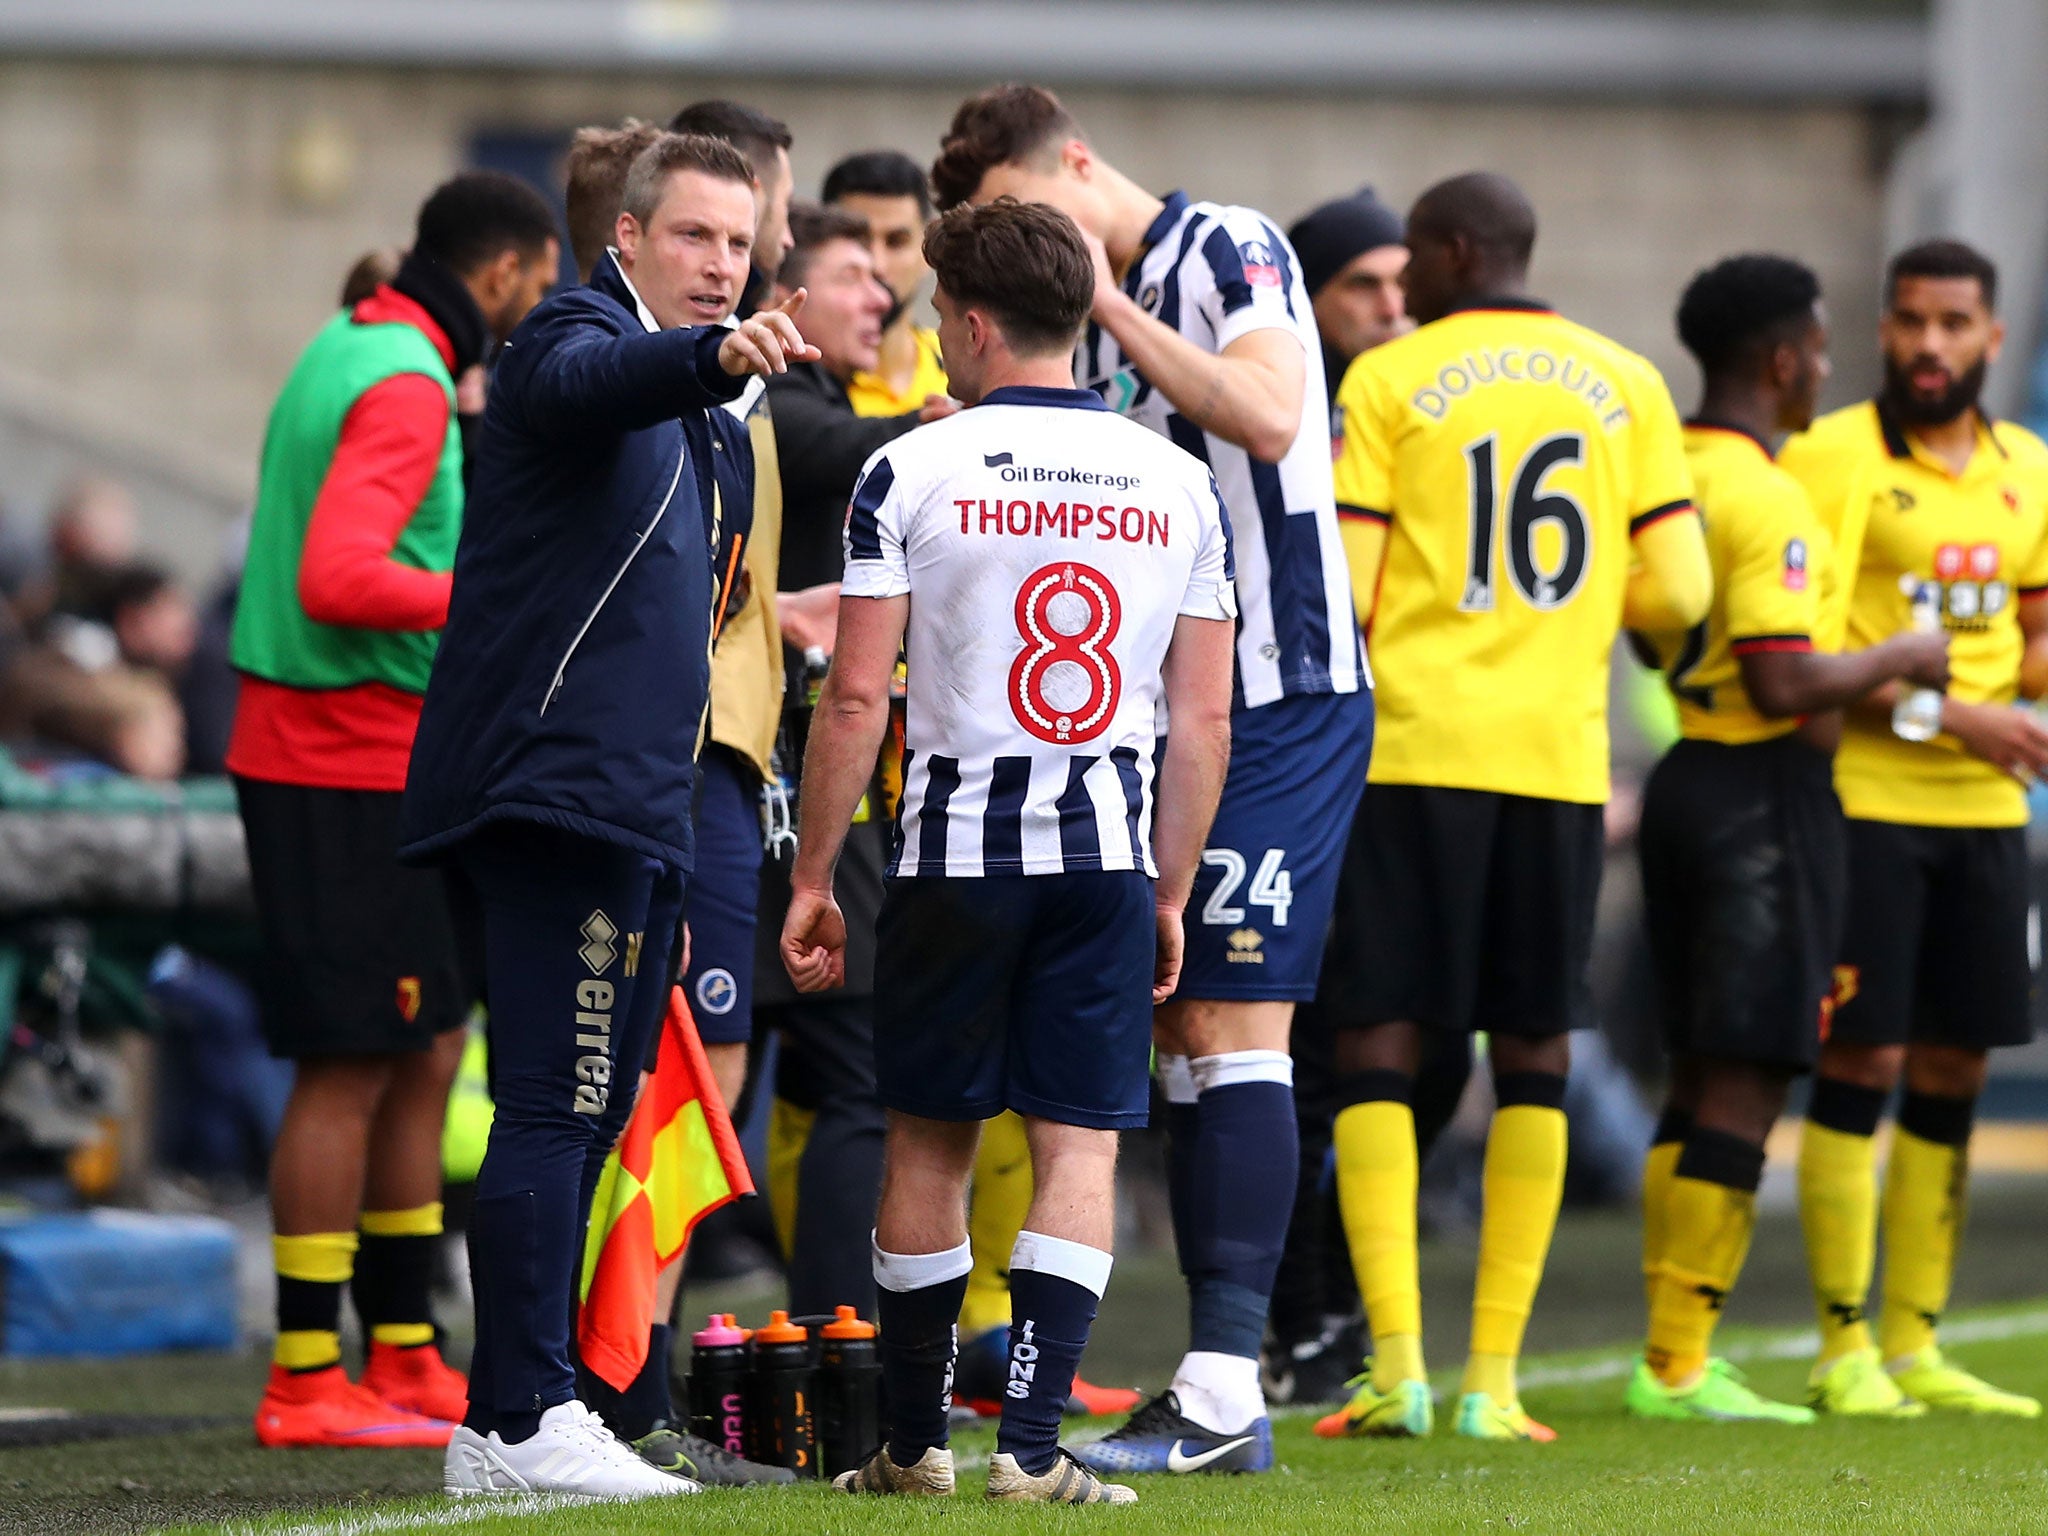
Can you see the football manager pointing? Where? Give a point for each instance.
(556, 753)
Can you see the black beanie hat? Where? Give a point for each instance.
(1329, 238)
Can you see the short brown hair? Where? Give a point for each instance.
(647, 177)
(1002, 125)
(598, 161)
(812, 226)
(1024, 263)
(373, 269)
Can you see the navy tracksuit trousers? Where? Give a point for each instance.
(578, 952)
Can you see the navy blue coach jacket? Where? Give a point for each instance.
(572, 676)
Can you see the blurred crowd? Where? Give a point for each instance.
(105, 658)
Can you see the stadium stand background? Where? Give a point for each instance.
(182, 180)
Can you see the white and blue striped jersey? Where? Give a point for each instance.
(1047, 547)
(1216, 273)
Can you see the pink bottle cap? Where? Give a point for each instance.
(719, 1332)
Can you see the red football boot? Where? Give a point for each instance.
(326, 1408)
(415, 1377)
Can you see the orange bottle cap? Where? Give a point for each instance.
(780, 1330)
(847, 1325)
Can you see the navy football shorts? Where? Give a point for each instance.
(720, 900)
(1260, 912)
(1024, 992)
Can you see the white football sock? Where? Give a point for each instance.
(1219, 1392)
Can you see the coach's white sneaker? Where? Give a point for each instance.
(572, 1455)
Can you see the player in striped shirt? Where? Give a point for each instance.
(1054, 576)
(1202, 330)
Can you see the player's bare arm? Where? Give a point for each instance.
(1197, 676)
(2034, 659)
(1248, 394)
(1785, 683)
(839, 759)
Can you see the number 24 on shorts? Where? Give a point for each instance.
(1271, 886)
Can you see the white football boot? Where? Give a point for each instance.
(572, 1455)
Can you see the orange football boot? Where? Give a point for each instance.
(326, 1408)
(415, 1377)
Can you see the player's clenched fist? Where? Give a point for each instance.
(814, 941)
(767, 342)
(1166, 957)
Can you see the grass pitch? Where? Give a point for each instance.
(1607, 1473)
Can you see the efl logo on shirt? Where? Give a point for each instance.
(1261, 270)
(1795, 565)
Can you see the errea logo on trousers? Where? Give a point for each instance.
(598, 932)
(594, 1037)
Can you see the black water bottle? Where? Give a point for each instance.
(781, 1391)
(718, 1384)
(849, 1393)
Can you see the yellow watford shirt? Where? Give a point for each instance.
(1771, 584)
(1905, 519)
(1513, 455)
(870, 394)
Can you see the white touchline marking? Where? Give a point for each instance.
(35, 1415)
(469, 1512)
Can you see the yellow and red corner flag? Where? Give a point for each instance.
(677, 1163)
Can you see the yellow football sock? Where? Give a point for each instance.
(1492, 1374)
(1838, 1214)
(1709, 1228)
(789, 1132)
(1523, 1185)
(1376, 1177)
(995, 1215)
(1925, 1197)
(1659, 1163)
(418, 1221)
(312, 1268)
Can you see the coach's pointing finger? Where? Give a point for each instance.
(767, 342)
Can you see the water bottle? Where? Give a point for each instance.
(849, 1393)
(781, 1389)
(718, 1384)
(1917, 715)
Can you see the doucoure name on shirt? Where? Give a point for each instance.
(1515, 365)
(1064, 519)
